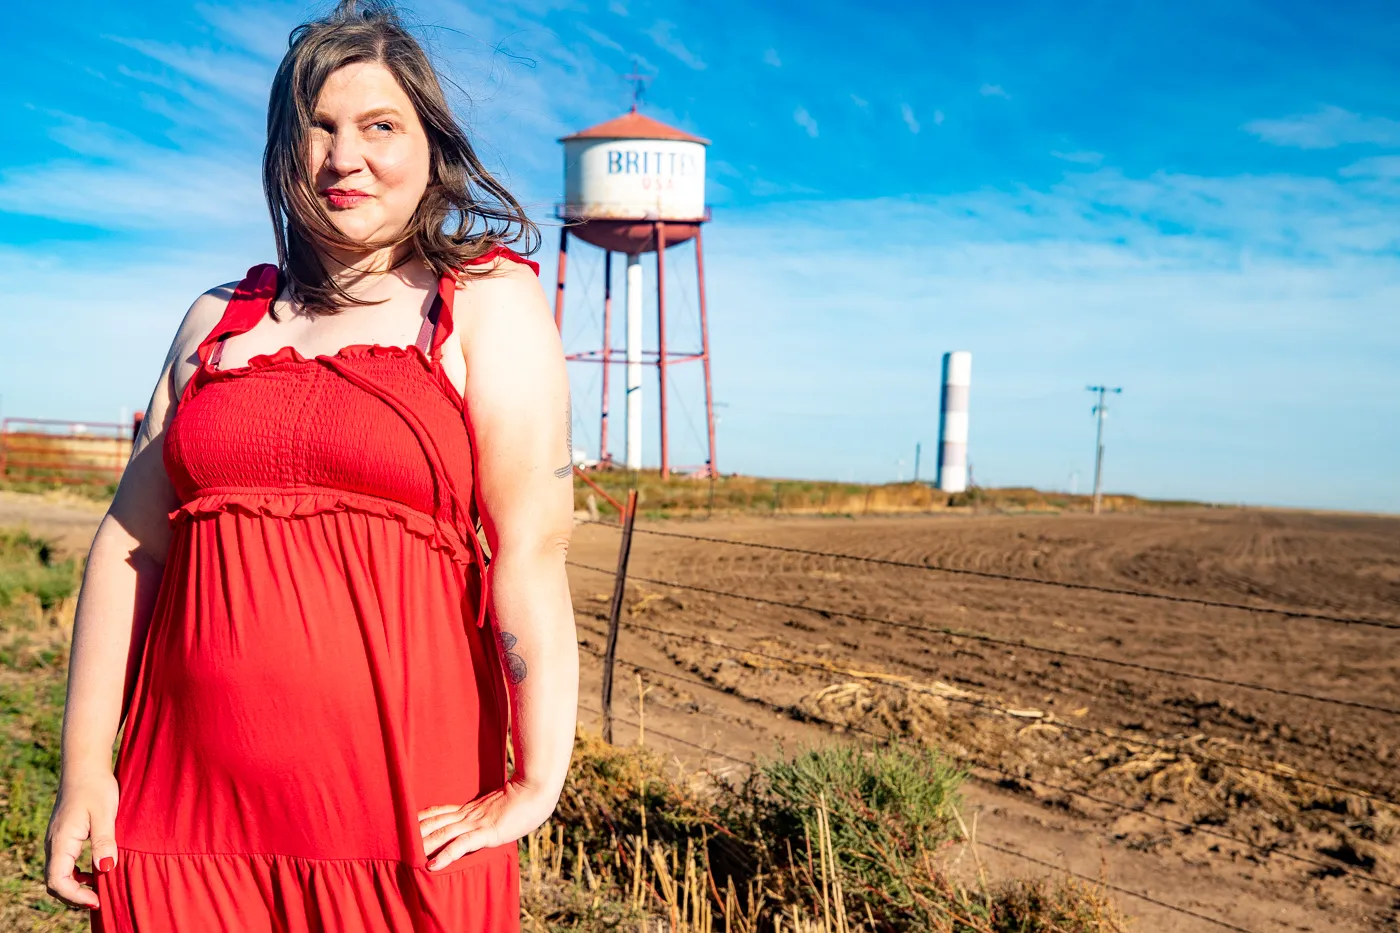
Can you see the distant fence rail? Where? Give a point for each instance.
(49, 450)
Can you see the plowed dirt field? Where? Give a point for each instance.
(1238, 764)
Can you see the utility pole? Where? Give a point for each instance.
(1100, 409)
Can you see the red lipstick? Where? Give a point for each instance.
(345, 197)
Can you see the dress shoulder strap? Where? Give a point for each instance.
(437, 326)
(505, 252)
(250, 301)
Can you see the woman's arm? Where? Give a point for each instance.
(120, 584)
(517, 394)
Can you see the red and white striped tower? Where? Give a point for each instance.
(634, 185)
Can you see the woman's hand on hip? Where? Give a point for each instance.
(86, 809)
(450, 832)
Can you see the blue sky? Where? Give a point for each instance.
(1197, 201)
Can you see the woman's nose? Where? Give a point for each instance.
(345, 156)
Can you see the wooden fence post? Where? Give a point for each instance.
(624, 551)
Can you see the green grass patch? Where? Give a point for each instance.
(30, 567)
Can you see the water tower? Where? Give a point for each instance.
(953, 421)
(634, 185)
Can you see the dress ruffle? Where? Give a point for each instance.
(303, 503)
(285, 894)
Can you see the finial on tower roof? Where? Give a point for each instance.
(639, 83)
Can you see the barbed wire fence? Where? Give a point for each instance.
(621, 576)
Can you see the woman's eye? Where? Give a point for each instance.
(382, 127)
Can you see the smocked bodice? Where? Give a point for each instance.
(288, 424)
(372, 429)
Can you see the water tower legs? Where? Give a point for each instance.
(660, 229)
(634, 355)
(559, 288)
(634, 362)
(705, 352)
(607, 354)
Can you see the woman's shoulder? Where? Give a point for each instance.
(499, 282)
(500, 307)
(204, 314)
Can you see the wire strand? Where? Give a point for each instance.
(673, 738)
(949, 632)
(1068, 726)
(891, 738)
(1224, 924)
(1012, 578)
(1012, 852)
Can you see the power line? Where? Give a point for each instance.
(1012, 578)
(949, 632)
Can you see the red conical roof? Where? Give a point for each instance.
(634, 125)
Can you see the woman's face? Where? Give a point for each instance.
(369, 152)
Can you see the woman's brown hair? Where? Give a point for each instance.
(464, 212)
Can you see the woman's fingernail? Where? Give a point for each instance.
(107, 864)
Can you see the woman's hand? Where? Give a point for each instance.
(502, 816)
(86, 809)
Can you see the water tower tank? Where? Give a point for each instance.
(623, 175)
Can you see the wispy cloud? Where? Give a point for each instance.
(601, 39)
(860, 102)
(1374, 167)
(123, 183)
(662, 32)
(802, 118)
(238, 75)
(1327, 128)
(258, 31)
(764, 188)
(938, 118)
(770, 57)
(1078, 156)
(907, 114)
(993, 90)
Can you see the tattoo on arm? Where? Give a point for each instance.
(567, 470)
(515, 664)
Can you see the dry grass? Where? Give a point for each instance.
(837, 841)
(683, 496)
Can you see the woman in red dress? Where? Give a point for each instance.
(287, 609)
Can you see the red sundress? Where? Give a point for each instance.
(316, 670)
